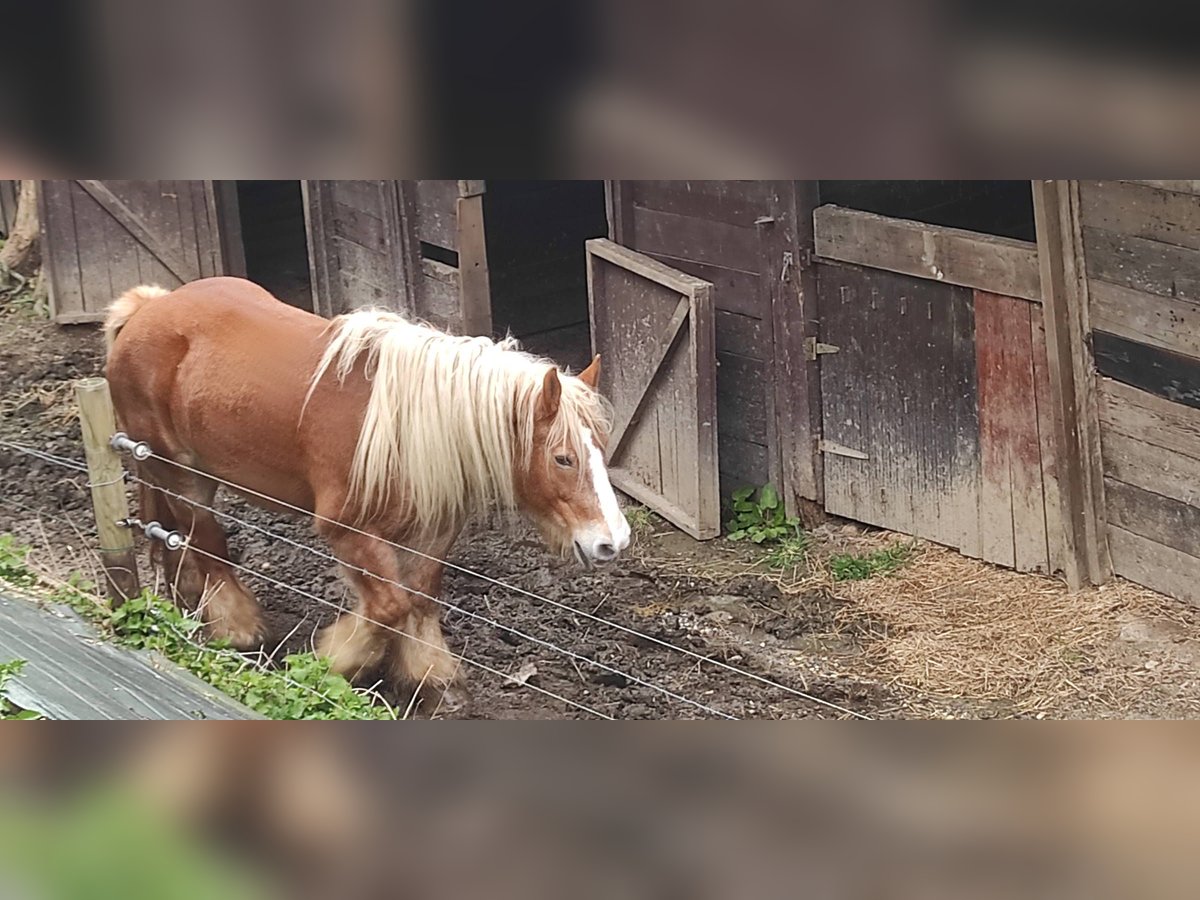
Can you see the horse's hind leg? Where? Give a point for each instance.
(227, 607)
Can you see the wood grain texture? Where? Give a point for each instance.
(1152, 468)
(1171, 323)
(1000, 265)
(1012, 512)
(1170, 375)
(1073, 416)
(104, 237)
(361, 248)
(1141, 211)
(436, 205)
(1157, 566)
(1182, 186)
(1141, 264)
(902, 390)
(1153, 516)
(654, 328)
(1138, 414)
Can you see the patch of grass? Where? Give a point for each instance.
(22, 294)
(790, 553)
(640, 518)
(8, 710)
(301, 686)
(13, 568)
(759, 517)
(859, 567)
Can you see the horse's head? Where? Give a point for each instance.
(565, 489)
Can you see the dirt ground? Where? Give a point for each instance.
(942, 637)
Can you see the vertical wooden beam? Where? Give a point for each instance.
(107, 478)
(797, 378)
(475, 291)
(1073, 407)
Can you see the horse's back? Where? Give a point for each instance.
(218, 368)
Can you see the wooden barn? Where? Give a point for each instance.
(1007, 368)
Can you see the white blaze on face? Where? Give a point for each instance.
(618, 526)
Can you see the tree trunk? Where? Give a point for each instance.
(21, 252)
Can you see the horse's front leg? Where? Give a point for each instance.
(394, 623)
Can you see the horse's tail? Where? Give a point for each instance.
(123, 308)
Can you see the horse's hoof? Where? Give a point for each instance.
(454, 700)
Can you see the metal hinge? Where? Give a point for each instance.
(836, 449)
(814, 348)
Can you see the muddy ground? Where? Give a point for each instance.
(710, 599)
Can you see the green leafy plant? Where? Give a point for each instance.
(639, 517)
(759, 517)
(13, 569)
(8, 709)
(859, 567)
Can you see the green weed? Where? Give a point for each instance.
(9, 710)
(759, 517)
(639, 518)
(790, 553)
(859, 567)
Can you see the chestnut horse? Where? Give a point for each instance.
(387, 430)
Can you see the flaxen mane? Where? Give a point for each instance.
(448, 417)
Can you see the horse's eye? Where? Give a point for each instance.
(565, 461)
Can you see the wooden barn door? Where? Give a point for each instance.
(104, 237)
(360, 248)
(413, 246)
(653, 328)
(746, 238)
(936, 395)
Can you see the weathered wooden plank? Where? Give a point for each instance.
(1071, 411)
(368, 265)
(1171, 323)
(700, 240)
(1154, 565)
(1042, 398)
(738, 203)
(1142, 264)
(1000, 265)
(743, 463)
(1142, 211)
(56, 212)
(1143, 416)
(1171, 375)
(742, 391)
(475, 293)
(1151, 467)
(747, 336)
(1012, 507)
(787, 250)
(1182, 186)
(157, 243)
(668, 453)
(734, 290)
(1153, 516)
(440, 292)
(653, 353)
(72, 673)
(8, 205)
(437, 212)
(897, 391)
(363, 226)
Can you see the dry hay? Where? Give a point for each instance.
(54, 399)
(961, 628)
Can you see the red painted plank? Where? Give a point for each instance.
(1012, 503)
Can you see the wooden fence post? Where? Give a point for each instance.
(107, 477)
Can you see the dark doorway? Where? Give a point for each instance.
(274, 239)
(536, 263)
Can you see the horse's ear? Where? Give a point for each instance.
(547, 406)
(591, 375)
